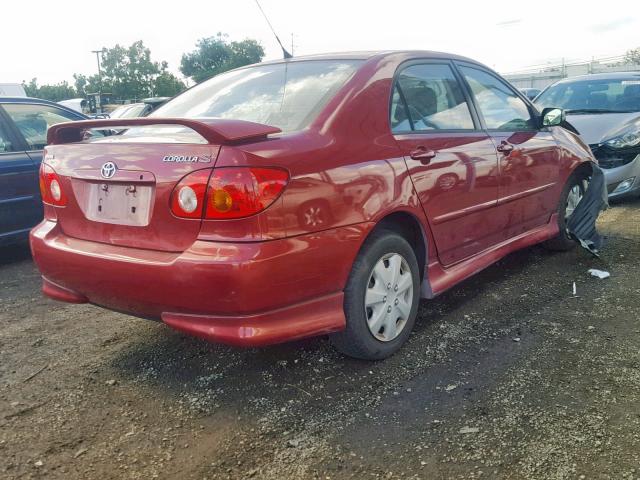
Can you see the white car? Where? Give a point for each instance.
(12, 90)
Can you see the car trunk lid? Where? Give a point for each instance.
(119, 188)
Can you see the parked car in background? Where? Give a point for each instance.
(141, 109)
(310, 196)
(78, 104)
(12, 90)
(605, 108)
(530, 93)
(23, 132)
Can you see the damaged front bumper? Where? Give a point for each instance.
(621, 170)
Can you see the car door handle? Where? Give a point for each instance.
(505, 148)
(423, 154)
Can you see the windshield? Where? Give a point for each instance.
(593, 96)
(284, 95)
(128, 111)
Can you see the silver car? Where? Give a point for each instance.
(530, 93)
(605, 109)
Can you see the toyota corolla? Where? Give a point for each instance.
(310, 196)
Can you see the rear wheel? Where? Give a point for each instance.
(573, 192)
(381, 298)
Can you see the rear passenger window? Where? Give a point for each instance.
(33, 120)
(5, 141)
(428, 97)
(500, 107)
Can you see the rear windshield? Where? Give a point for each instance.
(608, 95)
(285, 95)
(128, 111)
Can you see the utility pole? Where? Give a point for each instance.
(99, 98)
(292, 43)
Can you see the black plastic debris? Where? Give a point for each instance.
(581, 225)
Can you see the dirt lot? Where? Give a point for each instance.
(506, 376)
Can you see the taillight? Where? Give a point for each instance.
(236, 192)
(230, 192)
(50, 187)
(188, 197)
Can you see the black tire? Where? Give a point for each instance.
(563, 242)
(357, 340)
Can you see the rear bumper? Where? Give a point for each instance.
(316, 317)
(237, 293)
(307, 319)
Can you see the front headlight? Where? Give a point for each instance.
(626, 140)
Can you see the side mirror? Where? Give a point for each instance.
(552, 116)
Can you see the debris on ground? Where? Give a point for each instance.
(467, 430)
(82, 451)
(40, 370)
(599, 273)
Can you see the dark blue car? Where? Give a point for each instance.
(23, 135)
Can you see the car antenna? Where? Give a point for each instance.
(284, 51)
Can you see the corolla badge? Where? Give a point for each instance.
(186, 159)
(108, 170)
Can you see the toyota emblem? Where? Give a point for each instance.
(108, 170)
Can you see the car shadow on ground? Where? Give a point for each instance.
(175, 363)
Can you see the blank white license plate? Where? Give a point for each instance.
(119, 203)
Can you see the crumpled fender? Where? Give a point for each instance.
(581, 225)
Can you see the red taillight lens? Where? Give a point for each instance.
(51, 187)
(233, 192)
(188, 197)
(237, 192)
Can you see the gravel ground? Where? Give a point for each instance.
(508, 375)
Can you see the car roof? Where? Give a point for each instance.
(366, 55)
(602, 76)
(155, 99)
(7, 99)
(37, 101)
(130, 104)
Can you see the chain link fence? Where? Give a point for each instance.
(542, 76)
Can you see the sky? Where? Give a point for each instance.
(51, 40)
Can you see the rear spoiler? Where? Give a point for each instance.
(214, 131)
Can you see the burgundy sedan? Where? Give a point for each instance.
(311, 196)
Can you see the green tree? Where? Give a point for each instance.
(167, 85)
(54, 92)
(31, 88)
(86, 84)
(214, 55)
(632, 56)
(128, 72)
